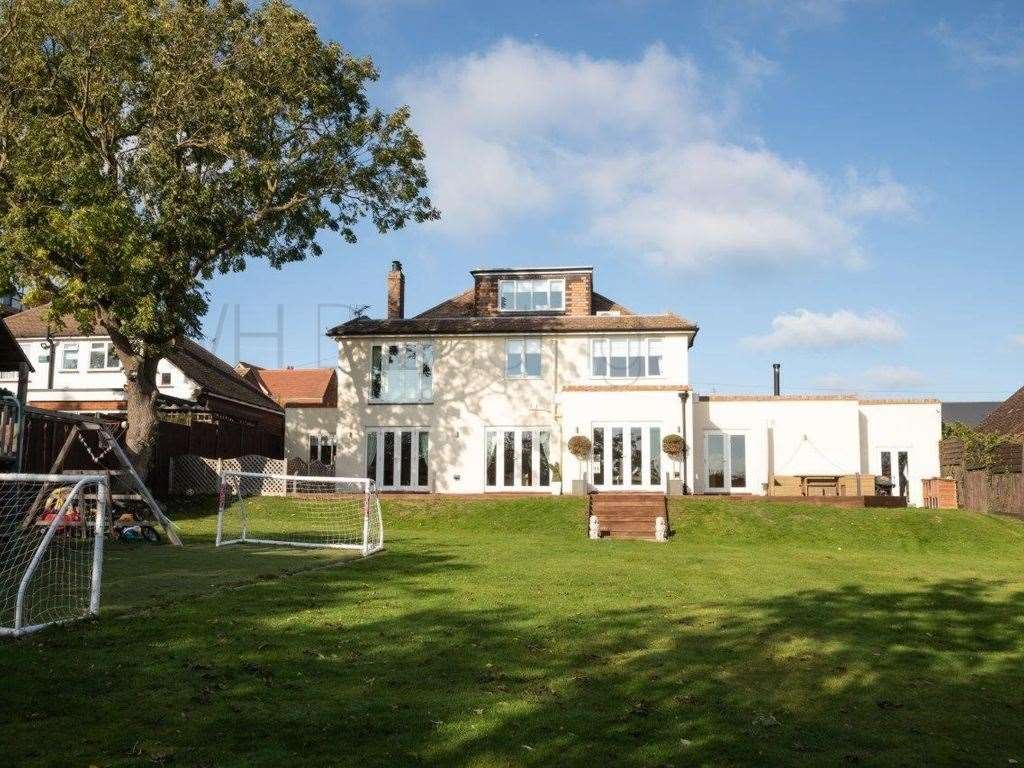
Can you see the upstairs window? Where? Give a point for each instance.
(402, 372)
(625, 357)
(69, 358)
(523, 358)
(531, 295)
(102, 356)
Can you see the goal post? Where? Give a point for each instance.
(299, 511)
(51, 549)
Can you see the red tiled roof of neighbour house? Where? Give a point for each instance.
(769, 398)
(1008, 418)
(214, 376)
(456, 306)
(300, 386)
(426, 326)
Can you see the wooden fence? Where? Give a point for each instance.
(45, 433)
(998, 489)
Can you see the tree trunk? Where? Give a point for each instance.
(140, 394)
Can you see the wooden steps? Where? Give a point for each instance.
(628, 515)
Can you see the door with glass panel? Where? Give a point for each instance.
(398, 458)
(725, 462)
(626, 457)
(518, 459)
(894, 465)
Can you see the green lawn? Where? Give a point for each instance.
(493, 633)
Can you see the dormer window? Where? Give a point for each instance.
(545, 295)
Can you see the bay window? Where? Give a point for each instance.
(620, 357)
(522, 358)
(402, 372)
(531, 295)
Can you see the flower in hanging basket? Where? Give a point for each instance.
(673, 445)
(579, 446)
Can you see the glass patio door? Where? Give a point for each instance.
(518, 459)
(626, 457)
(895, 465)
(398, 459)
(725, 462)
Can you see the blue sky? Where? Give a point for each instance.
(832, 184)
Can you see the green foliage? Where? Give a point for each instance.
(980, 448)
(147, 145)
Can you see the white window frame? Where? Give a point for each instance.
(108, 353)
(727, 435)
(525, 342)
(535, 486)
(43, 358)
(424, 355)
(321, 440)
(527, 285)
(70, 346)
(645, 355)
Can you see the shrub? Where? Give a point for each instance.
(674, 445)
(580, 446)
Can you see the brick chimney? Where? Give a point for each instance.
(396, 292)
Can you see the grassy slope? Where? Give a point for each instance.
(492, 633)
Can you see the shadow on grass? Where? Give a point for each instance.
(920, 676)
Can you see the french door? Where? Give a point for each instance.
(626, 457)
(725, 462)
(895, 465)
(518, 459)
(398, 459)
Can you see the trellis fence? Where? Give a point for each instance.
(198, 475)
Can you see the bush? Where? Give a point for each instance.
(674, 445)
(580, 446)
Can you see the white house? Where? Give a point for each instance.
(482, 392)
(78, 372)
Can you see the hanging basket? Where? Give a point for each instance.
(673, 445)
(580, 447)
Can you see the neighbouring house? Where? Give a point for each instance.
(14, 374)
(969, 413)
(1007, 418)
(483, 392)
(79, 372)
(15, 369)
(309, 397)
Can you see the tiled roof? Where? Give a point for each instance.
(209, 372)
(1008, 418)
(425, 326)
(456, 306)
(302, 386)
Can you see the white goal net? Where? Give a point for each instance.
(51, 549)
(331, 512)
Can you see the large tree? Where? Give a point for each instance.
(147, 145)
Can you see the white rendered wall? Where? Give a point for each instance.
(810, 436)
(302, 422)
(471, 394)
(912, 427)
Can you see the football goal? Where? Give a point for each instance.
(290, 510)
(51, 549)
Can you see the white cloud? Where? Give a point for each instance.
(989, 43)
(893, 377)
(638, 150)
(813, 330)
(882, 378)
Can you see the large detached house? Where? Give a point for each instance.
(482, 393)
